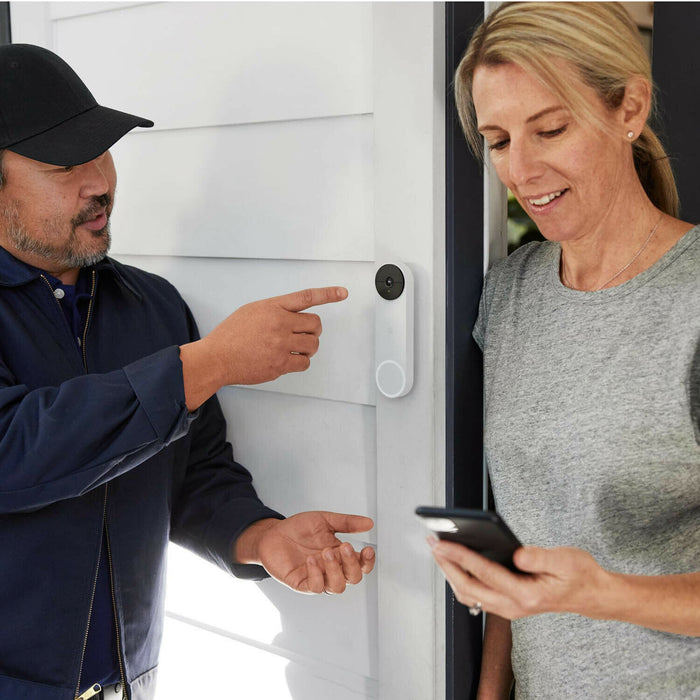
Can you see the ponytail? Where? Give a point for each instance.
(654, 171)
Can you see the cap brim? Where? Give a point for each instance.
(79, 139)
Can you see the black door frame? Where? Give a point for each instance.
(464, 224)
(675, 67)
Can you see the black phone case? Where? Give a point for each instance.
(481, 530)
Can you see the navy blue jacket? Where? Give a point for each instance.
(101, 439)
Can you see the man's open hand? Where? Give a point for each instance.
(304, 553)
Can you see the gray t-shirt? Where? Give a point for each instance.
(590, 404)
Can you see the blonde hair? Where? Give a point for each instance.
(600, 41)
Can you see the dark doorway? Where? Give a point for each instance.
(464, 274)
(676, 67)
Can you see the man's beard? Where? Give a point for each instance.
(69, 255)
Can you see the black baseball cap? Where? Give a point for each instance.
(48, 114)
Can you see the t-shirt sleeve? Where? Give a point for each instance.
(480, 327)
(694, 392)
(479, 330)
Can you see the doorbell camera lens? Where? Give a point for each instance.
(389, 282)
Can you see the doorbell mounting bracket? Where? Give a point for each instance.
(394, 329)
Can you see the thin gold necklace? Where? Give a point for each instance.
(565, 278)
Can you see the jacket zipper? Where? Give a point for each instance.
(95, 688)
(87, 320)
(91, 692)
(88, 693)
(114, 608)
(106, 530)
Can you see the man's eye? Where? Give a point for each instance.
(68, 168)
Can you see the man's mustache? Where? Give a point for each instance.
(104, 201)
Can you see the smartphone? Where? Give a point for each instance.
(481, 530)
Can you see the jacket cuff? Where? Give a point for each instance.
(158, 384)
(227, 526)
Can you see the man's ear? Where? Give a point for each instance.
(635, 105)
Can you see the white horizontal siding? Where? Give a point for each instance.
(292, 141)
(287, 190)
(223, 667)
(63, 10)
(342, 370)
(337, 630)
(322, 457)
(202, 64)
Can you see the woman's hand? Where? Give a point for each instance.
(565, 579)
(553, 580)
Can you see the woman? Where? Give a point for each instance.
(588, 342)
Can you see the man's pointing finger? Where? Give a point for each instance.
(305, 298)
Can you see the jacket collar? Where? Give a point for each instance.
(14, 273)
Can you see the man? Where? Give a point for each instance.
(111, 437)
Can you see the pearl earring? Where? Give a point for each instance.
(630, 134)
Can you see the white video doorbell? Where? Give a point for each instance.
(394, 329)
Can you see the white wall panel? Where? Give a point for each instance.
(63, 10)
(335, 630)
(343, 368)
(30, 23)
(198, 64)
(410, 432)
(311, 133)
(295, 190)
(305, 454)
(221, 667)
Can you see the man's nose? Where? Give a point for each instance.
(95, 180)
(524, 165)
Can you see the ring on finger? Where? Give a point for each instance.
(475, 609)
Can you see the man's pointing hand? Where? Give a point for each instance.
(256, 343)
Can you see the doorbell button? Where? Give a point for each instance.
(391, 379)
